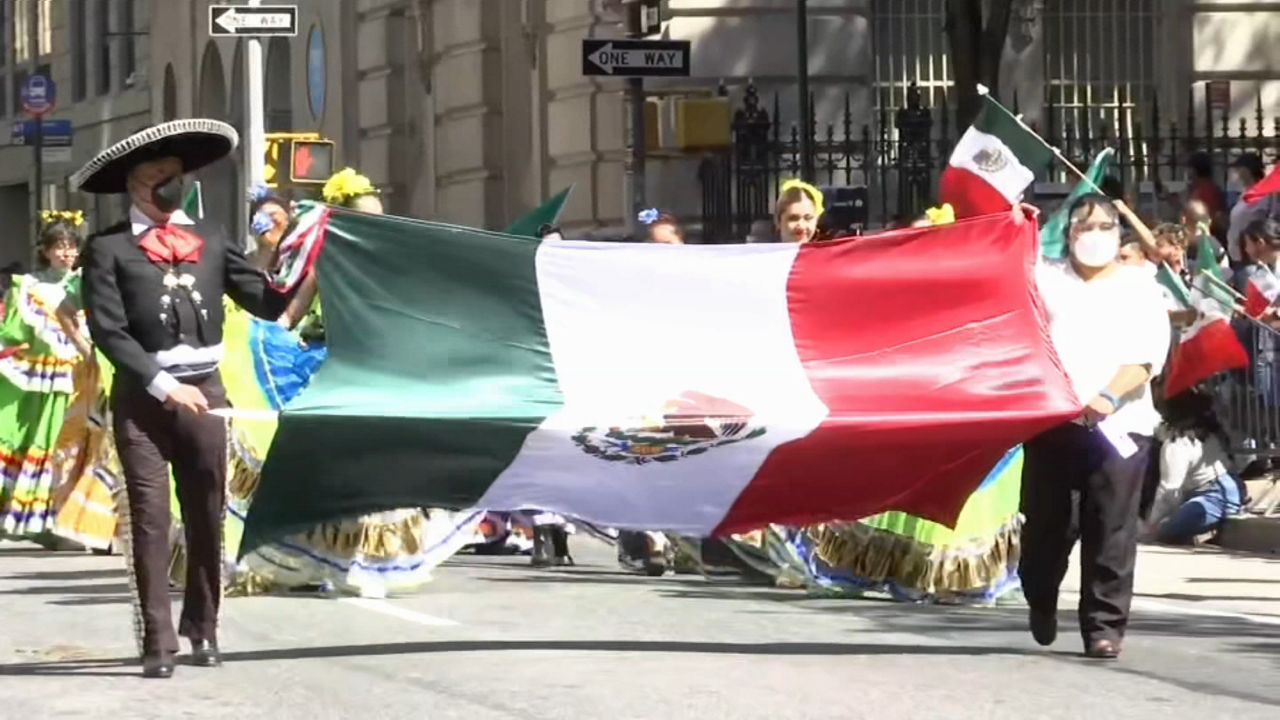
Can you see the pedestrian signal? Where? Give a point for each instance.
(297, 158)
(311, 161)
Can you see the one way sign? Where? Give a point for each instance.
(636, 58)
(253, 20)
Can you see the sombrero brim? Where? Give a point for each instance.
(195, 142)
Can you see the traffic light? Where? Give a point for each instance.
(297, 159)
(310, 161)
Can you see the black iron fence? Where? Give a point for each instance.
(885, 172)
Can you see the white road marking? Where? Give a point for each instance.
(385, 608)
(1175, 609)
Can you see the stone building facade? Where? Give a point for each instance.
(473, 111)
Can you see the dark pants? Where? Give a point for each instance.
(150, 438)
(1068, 463)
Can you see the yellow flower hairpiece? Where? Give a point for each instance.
(814, 194)
(74, 218)
(942, 215)
(346, 185)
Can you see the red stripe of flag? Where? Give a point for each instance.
(929, 379)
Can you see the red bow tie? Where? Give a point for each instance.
(170, 245)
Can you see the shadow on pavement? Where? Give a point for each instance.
(89, 589)
(96, 667)
(69, 575)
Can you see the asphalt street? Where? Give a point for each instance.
(493, 638)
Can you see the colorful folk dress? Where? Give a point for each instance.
(87, 475)
(38, 364)
(265, 367)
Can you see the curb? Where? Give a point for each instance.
(1251, 534)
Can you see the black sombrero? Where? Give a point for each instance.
(197, 142)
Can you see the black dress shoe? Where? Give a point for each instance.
(204, 653)
(1103, 650)
(560, 546)
(1044, 626)
(543, 547)
(157, 667)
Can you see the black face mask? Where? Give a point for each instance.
(168, 196)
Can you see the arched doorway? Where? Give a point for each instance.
(278, 86)
(169, 102)
(218, 181)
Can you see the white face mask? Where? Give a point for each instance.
(1096, 248)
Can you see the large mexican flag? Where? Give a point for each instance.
(699, 389)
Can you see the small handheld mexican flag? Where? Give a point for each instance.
(993, 163)
(1261, 291)
(1210, 345)
(193, 203)
(1053, 234)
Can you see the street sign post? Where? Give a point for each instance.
(55, 133)
(253, 20)
(39, 95)
(636, 58)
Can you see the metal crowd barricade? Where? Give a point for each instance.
(1248, 401)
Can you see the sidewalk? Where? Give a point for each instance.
(1204, 581)
(1254, 532)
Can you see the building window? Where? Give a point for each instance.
(128, 42)
(1100, 63)
(317, 73)
(104, 48)
(910, 48)
(278, 91)
(79, 20)
(5, 45)
(26, 12)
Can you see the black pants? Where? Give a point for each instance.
(149, 438)
(1072, 468)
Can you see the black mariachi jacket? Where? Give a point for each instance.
(132, 314)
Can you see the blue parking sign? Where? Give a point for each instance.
(39, 93)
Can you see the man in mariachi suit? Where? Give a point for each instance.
(153, 295)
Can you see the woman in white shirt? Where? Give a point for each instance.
(1110, 327)
(1197, 490)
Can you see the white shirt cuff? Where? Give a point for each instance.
(162, 385)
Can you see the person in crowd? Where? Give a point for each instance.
(153, 296)
(1246, 171)
(1204, 191)
(1131, 254)
(1197, 490)
(798, 209)
(372, 555)
(663, 227)
(42, 347)
(271, 220)
(1110, 327)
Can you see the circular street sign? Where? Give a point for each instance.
(39, 93)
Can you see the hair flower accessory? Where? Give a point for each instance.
(258, 193)
(941, 215)
(345, 185)
(814, 194)
(74, 218)
(648, 217)
(262, 223)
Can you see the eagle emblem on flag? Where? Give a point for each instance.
(688, 425)
(990, 160)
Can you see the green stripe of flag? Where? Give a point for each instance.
(443, 363)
